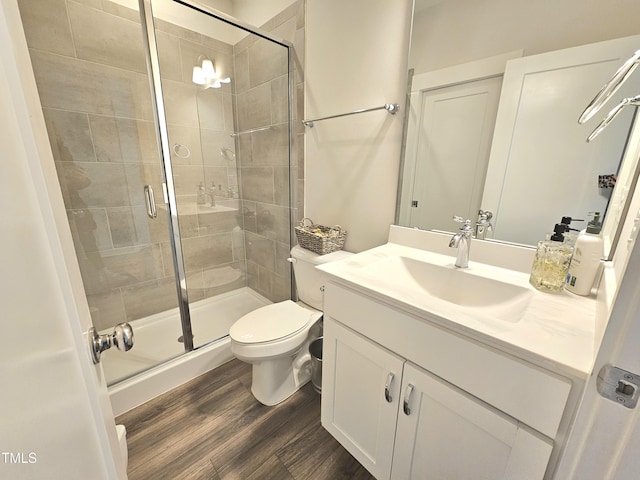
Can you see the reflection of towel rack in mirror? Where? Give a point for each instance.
(607, 91)
(392, 108)
(634, 101)
(237, 134)
(611, 87)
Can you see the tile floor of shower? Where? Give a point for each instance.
(213, 428)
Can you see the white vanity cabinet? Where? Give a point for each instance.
(442, 432)
(362, 380)
(410, 400)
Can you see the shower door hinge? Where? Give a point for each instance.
(414, 203)
(618, 385)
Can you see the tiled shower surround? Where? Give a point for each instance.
(90, 68)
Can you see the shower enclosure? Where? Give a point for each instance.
(170, 127)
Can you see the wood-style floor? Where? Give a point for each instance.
(213, 428)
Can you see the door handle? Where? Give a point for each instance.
(150, 201)
(387, 388)
(407, 398)
(122, 338)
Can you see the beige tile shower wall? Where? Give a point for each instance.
(261, 101)
(91, 74)
(200, 124)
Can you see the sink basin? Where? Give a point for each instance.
(460, 287)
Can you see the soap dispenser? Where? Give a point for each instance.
(551, 262)
(570, 237)
(586, 258)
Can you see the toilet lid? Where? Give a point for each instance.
(272, 322)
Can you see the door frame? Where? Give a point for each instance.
(49, 214)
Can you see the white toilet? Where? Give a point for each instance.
(275, 338)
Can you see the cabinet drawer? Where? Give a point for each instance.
(524, 391)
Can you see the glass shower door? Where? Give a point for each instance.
(217, 150)
(226, 102)
(90, 68)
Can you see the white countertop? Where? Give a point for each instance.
(555, 331)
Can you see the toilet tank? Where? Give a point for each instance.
(309, 279)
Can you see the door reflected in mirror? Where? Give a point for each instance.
(538, 166)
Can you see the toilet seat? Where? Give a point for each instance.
(271, 323)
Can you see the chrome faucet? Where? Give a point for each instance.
(462, 241)
(483, 225)
(211, 193)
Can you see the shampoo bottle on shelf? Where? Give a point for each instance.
(587, 254)
(551, 262)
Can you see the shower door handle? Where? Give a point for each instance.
(150, 201)
(122, 338)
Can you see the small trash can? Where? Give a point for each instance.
(315, 350)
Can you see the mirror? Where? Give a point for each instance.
(526, 180)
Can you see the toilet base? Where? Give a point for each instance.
(276, 380)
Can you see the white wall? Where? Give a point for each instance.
(355, 58)
(54, 417)
(459, 31)
(257, 12)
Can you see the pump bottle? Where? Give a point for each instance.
(585, 263)
(551, 262)
(570, 237)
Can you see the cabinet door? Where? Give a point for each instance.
(444, 433)
(360, 388)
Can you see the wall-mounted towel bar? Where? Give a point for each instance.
(392, 108)
(237, 134)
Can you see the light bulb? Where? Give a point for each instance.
(198, 76)
(207, 68)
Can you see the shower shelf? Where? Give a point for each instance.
(392, 108)
(237, 134)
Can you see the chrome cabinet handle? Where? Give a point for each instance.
(150, 201)
(122, 338)
(407, 398)
(387, 388)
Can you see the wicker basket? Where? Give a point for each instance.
(318, 238)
